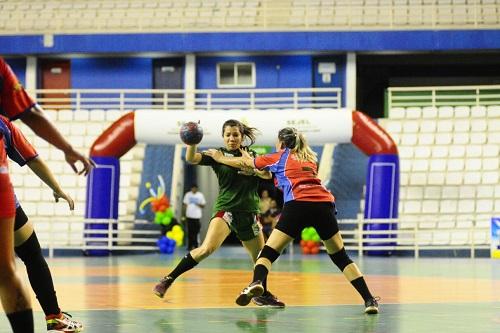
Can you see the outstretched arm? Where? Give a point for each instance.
(44, 128)
(43, 172)
(243, 162)
(264, 174)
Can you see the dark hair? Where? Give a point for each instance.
(245, 130)
(288, 136)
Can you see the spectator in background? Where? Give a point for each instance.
(193, 203)
(270, 218)
(15, 103)
(265, 201)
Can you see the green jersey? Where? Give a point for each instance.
(237, 193)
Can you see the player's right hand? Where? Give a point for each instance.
(59, 195)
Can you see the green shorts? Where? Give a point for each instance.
(244, 224)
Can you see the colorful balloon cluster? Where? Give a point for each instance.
(160, 205)
(310, 241)
(166, 245)
(174, 238)
(164, 215)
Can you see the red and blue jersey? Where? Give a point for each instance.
(14, 100)
(7, 198)
(297, 179)
(15, 144)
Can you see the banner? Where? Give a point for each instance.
(495, 237)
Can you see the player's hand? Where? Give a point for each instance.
(62, 195)
(214, 153)
(247, 158)
(247, 172)
(72, 156)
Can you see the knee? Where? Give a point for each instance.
(341, 259)
(30, 249)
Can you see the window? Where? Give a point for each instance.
(235, 75)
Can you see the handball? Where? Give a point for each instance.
(191, 133)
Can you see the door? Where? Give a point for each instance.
(168, 74)
(55, 74)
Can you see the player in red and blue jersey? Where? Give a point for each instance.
(307, 203)
(15, 103)
(15, 298)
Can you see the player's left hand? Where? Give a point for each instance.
(247, 171)
(72, 156)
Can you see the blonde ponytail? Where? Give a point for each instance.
(297, 142)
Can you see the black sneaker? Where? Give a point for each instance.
(371, 305)
(255, 289)
(268, 300)
(161, 288)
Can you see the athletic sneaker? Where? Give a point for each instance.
(371, 305)
(255, 289)
(268, 300)
(161, 288)
(63, 323)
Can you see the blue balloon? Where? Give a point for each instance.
(163, 248)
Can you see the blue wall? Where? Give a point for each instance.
(111, 73)
(338, 79)
(18, 65)
(293, 72)
(305, 41)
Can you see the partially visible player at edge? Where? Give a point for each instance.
(15, 103)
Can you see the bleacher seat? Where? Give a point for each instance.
(449, 168)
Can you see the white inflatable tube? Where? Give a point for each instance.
(319, 126)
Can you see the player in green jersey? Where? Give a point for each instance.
(236, 208)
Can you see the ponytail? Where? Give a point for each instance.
(297, 143)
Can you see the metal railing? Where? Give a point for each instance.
(179, 99)
(119, 235)
(443, 96)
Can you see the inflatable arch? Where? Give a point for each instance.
(320, 126)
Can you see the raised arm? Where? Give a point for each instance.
(38, 166)
(192, 154)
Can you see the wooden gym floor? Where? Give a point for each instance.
(113, 295)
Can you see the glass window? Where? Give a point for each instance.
(235, 75)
